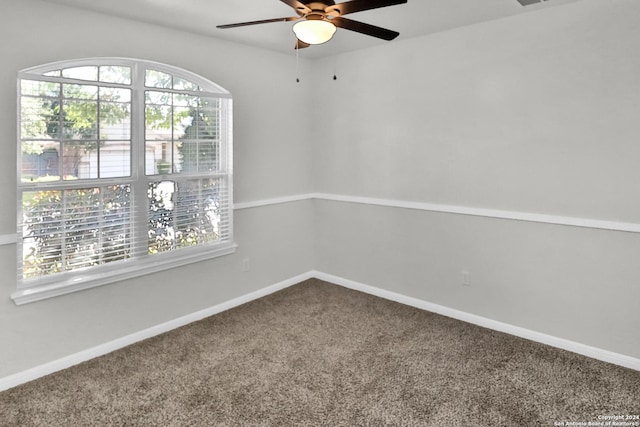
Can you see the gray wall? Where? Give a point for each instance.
(268, 163)
(536, 113)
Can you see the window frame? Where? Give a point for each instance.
(141, 262)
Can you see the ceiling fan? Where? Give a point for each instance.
(317, 20)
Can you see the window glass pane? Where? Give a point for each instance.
(208, 155)
(43, 228)
(158, 121)
(40, 161)
(81, 73)
(115, 74)
(210, 120)
(161, 222)
(197, 212)
(79, 119)
(97, 226)
(79, 91)
(78, 160)
(72, 229)
(182, 119)
(208, 123)
(115, 159)
(158, 157)
(115, 121)
(185, 100)
(210, 103)
(36, 115)
(82, 228)
(157, 79)
(149, 160)
(198, 156)
(40, 89)
(183, 214)
(158, 98)
(181, 84)
(178, 160)
(116, 229)
(198, 150)
(55, 73)
(115, 94)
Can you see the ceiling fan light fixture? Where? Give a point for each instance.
(314, 31)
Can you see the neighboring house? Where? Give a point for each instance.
(115, 158)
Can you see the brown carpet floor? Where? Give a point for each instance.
(317, 354)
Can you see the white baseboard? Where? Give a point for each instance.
(102, 349)
(572, 346)
(82, 356)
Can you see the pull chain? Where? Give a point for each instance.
(335, 62)
(297, 61)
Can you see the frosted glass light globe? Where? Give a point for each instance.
(314, 31)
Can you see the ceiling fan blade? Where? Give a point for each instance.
(361, 27)
(301, 45)
(360, 5)
(264, 21)
(297, 5)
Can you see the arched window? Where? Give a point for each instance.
(124, 168)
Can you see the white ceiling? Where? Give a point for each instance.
(415, 18)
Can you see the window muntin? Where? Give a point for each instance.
(183, 132)
(120, 162)
(74, 228)
(185, 213)
(70, 122)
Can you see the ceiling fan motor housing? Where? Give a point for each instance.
(318, 10)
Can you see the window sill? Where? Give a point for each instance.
(125, 271)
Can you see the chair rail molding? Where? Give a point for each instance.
(628, 227)
(8, 239)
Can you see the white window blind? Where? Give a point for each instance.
(124, 168)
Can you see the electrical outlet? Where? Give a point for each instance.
(246, 265)
(466, 278)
